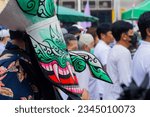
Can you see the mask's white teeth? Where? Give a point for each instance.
(60, 71)
(74, 89)
(70, 71)
(55, 68)
(73, 69)
(67, 71)
(50, 67)
(43, 65)
(64, 72)
(77, 90)
(47, 67)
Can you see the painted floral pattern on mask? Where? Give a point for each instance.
(81, 58)
(54, 59)
(50, 48)
(41, 8)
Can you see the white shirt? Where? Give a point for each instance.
(2, 48)
(86, 81)
(119, 70)
(101, 51)
(141, 62)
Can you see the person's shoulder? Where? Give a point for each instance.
(120, 51)
(98, 44)
(121, 48)
(144, 48)
(102, 46)
(143, 52)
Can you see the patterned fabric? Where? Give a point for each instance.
(14, 81)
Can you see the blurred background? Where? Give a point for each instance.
(105, 10)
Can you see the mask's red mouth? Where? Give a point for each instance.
(62, 76)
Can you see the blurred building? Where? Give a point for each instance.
(99, 8)
(103, 9)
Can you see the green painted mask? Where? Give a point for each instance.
(50, 47)
(47, 39)
(48, 43)
(53, 58)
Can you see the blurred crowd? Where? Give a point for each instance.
(123, 52)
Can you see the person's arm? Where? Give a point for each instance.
(124, 68)
(102, 57)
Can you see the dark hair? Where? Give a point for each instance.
(120, 27)
(68, 37)
(103, 28)
(144, 23)
(73, 30)
(18, 35)
(92, 31)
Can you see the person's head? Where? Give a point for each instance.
(144, 25)
(18, 38)
(104, 33)
(71, 41)
(92, 31)
(86, 42)
(82, 29)
(4, 35)
(75, 31)
(123, 32)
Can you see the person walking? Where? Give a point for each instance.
(102, 49)
(141, 63)
(119, 60)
